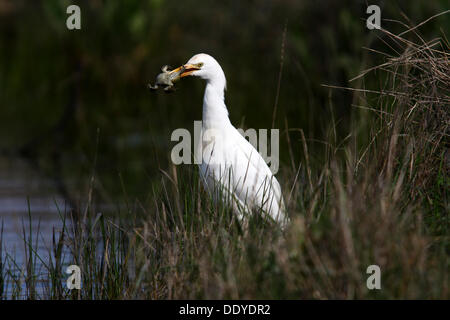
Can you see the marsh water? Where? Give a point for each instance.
(26, 197)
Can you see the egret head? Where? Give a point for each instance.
(204, 66)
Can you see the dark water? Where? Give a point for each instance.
(27, 197)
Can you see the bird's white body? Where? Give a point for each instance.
(231, 168)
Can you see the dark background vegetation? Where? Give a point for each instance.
(62, 91)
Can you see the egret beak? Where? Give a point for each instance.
(184, 70)
(175, 74)
(189, 68)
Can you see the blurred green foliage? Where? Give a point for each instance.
(75, 94)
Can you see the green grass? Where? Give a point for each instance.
(378, 196)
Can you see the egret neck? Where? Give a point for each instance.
(215, 113)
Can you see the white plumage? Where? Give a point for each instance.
(231, 168)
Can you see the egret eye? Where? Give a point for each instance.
(200, 64)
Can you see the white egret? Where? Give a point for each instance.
(231, 168)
